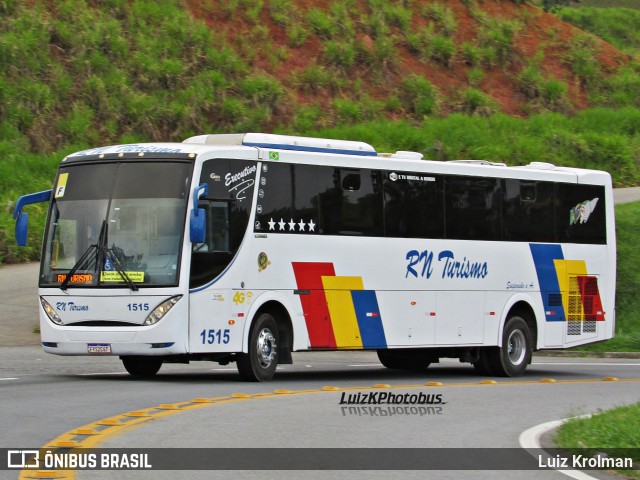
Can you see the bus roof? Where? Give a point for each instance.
(296, 145)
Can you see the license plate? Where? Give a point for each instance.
(99, 348)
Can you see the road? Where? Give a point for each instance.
(45, 397)
(18, 305)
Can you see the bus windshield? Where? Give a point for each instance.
(116, 223)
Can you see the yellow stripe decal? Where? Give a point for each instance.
(341, 309)
(564, 270)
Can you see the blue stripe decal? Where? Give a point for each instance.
(300, 148)
(369, 320)
(543, 257)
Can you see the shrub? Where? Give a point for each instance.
(312, 79)
(341, 54)
(321, 23)
(421, 98)
(499, 34)
(476, 102)
(530, 80)
(554, 95)
(443, 49)
(582, 58)
(475, 77)
(261, 90)
(297, 34)
(443, 17)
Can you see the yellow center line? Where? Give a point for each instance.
(93, 434)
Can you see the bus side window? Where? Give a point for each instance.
(472, 208)
(528, 211)
(352, 204)
(413, 206)
(217, 234)
(227, 208)
(580, 213)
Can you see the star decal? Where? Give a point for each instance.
(312, 226)
(292, 226)
(272, 224)
(301, 225)
(281, 224)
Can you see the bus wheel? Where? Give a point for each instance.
(483, 365)
(142, 366)
(260, 363)
(403, 360)
(512, 358)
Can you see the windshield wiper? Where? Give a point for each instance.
(108, 252)
(101, 252)
(85, 256)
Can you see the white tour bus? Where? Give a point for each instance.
(249, 247)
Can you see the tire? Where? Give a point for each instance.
(403, 360)
(512, 358)
(259, 364)
(483, 365)
(142, 366)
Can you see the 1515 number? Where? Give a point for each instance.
(215, 336)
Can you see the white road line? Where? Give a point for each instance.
(530, 439)
(97, 374)
(590, 364)
(367, 365)
(8, 378)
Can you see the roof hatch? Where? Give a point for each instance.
(286, 142)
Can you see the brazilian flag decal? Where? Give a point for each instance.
(274, 155)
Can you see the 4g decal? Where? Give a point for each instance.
(240, 297)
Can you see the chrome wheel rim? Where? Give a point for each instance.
(267, 348)
(516, 347)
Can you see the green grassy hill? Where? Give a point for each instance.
(618, 26)
(78, 74)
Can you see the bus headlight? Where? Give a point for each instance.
(50, 311)
(161, 310)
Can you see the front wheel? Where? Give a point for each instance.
(260, 363)
(142, 366)
(512, 358)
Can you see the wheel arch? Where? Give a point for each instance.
(278, 310)
(523, 307)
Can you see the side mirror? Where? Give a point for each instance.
(22, 227)
(198, 225)
(21, 218)
(198, 217)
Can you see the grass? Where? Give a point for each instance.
(618, 26)
(604, 139)
(604, 432)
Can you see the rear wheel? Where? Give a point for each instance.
(142, 366)
(512, 358)
(260, 363)
(483, 364)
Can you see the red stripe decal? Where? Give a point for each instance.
(591, 302)
(314, 306)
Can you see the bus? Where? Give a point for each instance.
(247, 247)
